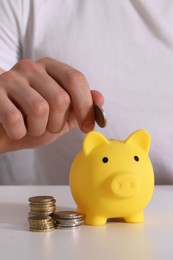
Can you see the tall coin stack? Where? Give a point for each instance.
(41, 213)
(67, 219)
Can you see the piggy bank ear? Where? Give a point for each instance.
(92, 140)
(140, 138)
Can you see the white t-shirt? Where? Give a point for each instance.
(125, 50)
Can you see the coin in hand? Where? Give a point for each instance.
(100, 116)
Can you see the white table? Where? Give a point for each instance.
(152, 239)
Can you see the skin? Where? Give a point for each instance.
(40, 101)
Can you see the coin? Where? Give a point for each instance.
(40, 214)
(58, 226)
(41, 199)
(100, 116)
(68, 223)
(43, 209)
(67, 215)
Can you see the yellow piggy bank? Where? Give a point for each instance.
(112, 178)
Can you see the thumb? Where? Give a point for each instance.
(97, 97)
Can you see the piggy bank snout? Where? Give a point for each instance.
(124, 185)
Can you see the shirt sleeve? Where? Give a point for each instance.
(10, 32)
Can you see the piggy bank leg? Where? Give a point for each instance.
(95, 220)
(135, 218)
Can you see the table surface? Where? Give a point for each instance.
(152, 239)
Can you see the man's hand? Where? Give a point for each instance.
(40, 101)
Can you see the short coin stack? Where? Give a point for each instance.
(67, 219)
(41, 213)
(40, 224)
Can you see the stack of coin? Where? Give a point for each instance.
(67, 219)
(42, 206)
(41, 213)
(40, 224)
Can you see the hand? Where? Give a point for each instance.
(40, 101)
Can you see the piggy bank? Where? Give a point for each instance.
(112, 178)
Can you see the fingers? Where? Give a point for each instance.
(76, 85)
(57, 97)
(97, 97)
(58, 100)
(47, 95)
(34, 107)
(11, 119)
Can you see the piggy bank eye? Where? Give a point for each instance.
(105, 159)
(136, 158)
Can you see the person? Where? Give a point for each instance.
(53, 53)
